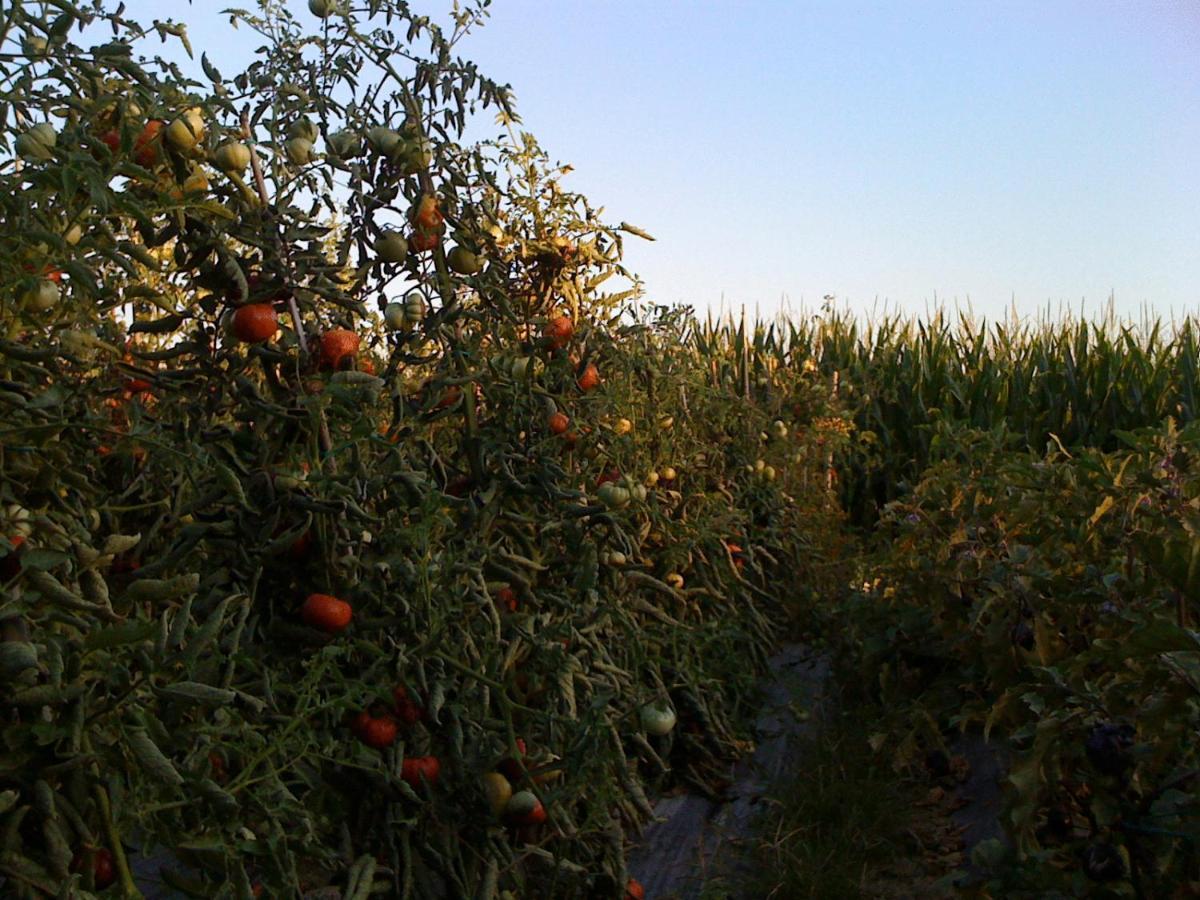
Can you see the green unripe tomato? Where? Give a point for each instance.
(384, 141)
(464, 262)
(322, 9)
(232, 156)
(37, 143)
(299, 151)
(393, 316)
(34, 45)
(391, 247)
(304, 128)
(658, 719)
(186, 131)
(42, 295)
(344, 144)
(613, 496)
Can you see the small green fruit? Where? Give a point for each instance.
(304, 128)
(41, 295)
(391, 247)
(393, 316)
(299, 151)
(344, 144)
(464, 262)
(232, 156)
(658, 719)
(384, 141)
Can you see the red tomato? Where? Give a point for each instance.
(634, 890)
(300, 546)
(413, 769)
(104, 872)
(255, 323)
(148, 145)
(337, 346)
(558, 423)
(513, 769)
(407, 710)
(590, 379)
(326, 612)
(358, 725)
(421, 240)
(507, 598)
(217, 763)
(378, 731)
(10, 565)
(559, 331)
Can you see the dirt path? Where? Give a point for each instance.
(697, 844)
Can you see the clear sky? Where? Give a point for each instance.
(1025, 153)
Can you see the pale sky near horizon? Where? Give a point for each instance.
(1023, 154)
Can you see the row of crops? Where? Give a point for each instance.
(1027, 499)
(353, 533)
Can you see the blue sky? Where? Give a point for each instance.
(1036, 154)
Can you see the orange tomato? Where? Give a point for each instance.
(590, 379)
(422, 240)
(255, 323)
(337, 346)
(147, 147)
(558, 331)
(378, 732)
(559, 423)
(426, 214)
(326, 612)
(413, 768)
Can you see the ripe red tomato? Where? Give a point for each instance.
(112, 139)
(507, 598)
(613, 475)
(300, 546)
(358, 724)
(413, 769)
(216, 762)
(255, 322)
(377, 731)
(147, 147)
(337, 346)
(422, 240)
(326, 612)
(513, 769)
(559, 331)
(10, 565)
(590, 379)
(559, 423)
(634, 890)
(407, 710)
(104, 872)
(138, 385)
(427, 216)
(48, 271)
